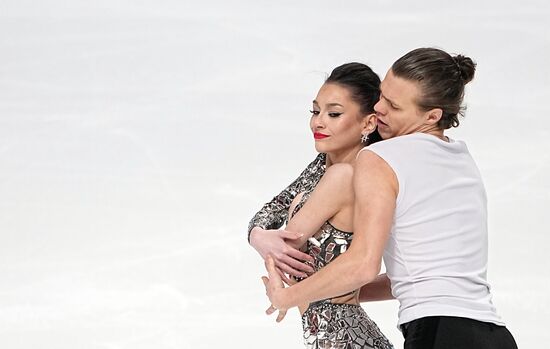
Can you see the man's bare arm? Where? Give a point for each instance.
(376, 188)
(377, 290)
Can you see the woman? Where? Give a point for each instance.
(320, 204)
(420, 202)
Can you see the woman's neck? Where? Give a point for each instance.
(345, 156)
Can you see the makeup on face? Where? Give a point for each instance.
(319, 135)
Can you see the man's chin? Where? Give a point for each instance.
(385, 135)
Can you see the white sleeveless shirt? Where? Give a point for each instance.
(436, 255)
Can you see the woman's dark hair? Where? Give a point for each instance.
(441, 77)
(364, 87)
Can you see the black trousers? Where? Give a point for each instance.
(448, 332)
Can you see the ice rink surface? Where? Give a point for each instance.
(137, 138)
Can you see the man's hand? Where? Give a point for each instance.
(274, 288)
(280, 316)
(287, 259)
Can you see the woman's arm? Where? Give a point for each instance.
(375, 188)
(263, 230)
(333, 194)
(274, 213)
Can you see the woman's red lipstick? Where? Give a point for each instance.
(318, 135)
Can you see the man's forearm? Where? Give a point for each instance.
(346, 273)
(377, 290)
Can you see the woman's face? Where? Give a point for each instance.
(397, 111)
(337, 120)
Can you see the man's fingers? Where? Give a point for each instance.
(281, 315)
(283, 276)
(270, 266)
(273, 272)
(270, 310)
(265, 280)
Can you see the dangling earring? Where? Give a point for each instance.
(364, 138)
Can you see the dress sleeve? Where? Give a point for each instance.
(274, 213)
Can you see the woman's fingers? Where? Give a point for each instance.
(299, 255)
(289, 270)
(301, 267)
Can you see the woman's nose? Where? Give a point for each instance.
(318, 122)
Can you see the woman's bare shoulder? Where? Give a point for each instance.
(342, 170)
(338, 180)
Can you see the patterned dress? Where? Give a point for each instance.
(275, 213)
(326, 324)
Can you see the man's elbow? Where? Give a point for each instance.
(366, 271)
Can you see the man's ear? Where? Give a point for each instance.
(433, 116)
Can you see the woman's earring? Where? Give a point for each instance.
(364, 138)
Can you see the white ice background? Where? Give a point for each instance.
(137, 138)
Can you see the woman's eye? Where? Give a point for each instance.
(334, 115)
(314, 112)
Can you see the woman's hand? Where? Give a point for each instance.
(274, 288)
(287, 259)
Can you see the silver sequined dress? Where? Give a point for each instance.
(326, 324)
(333, 325)
(275, 213)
